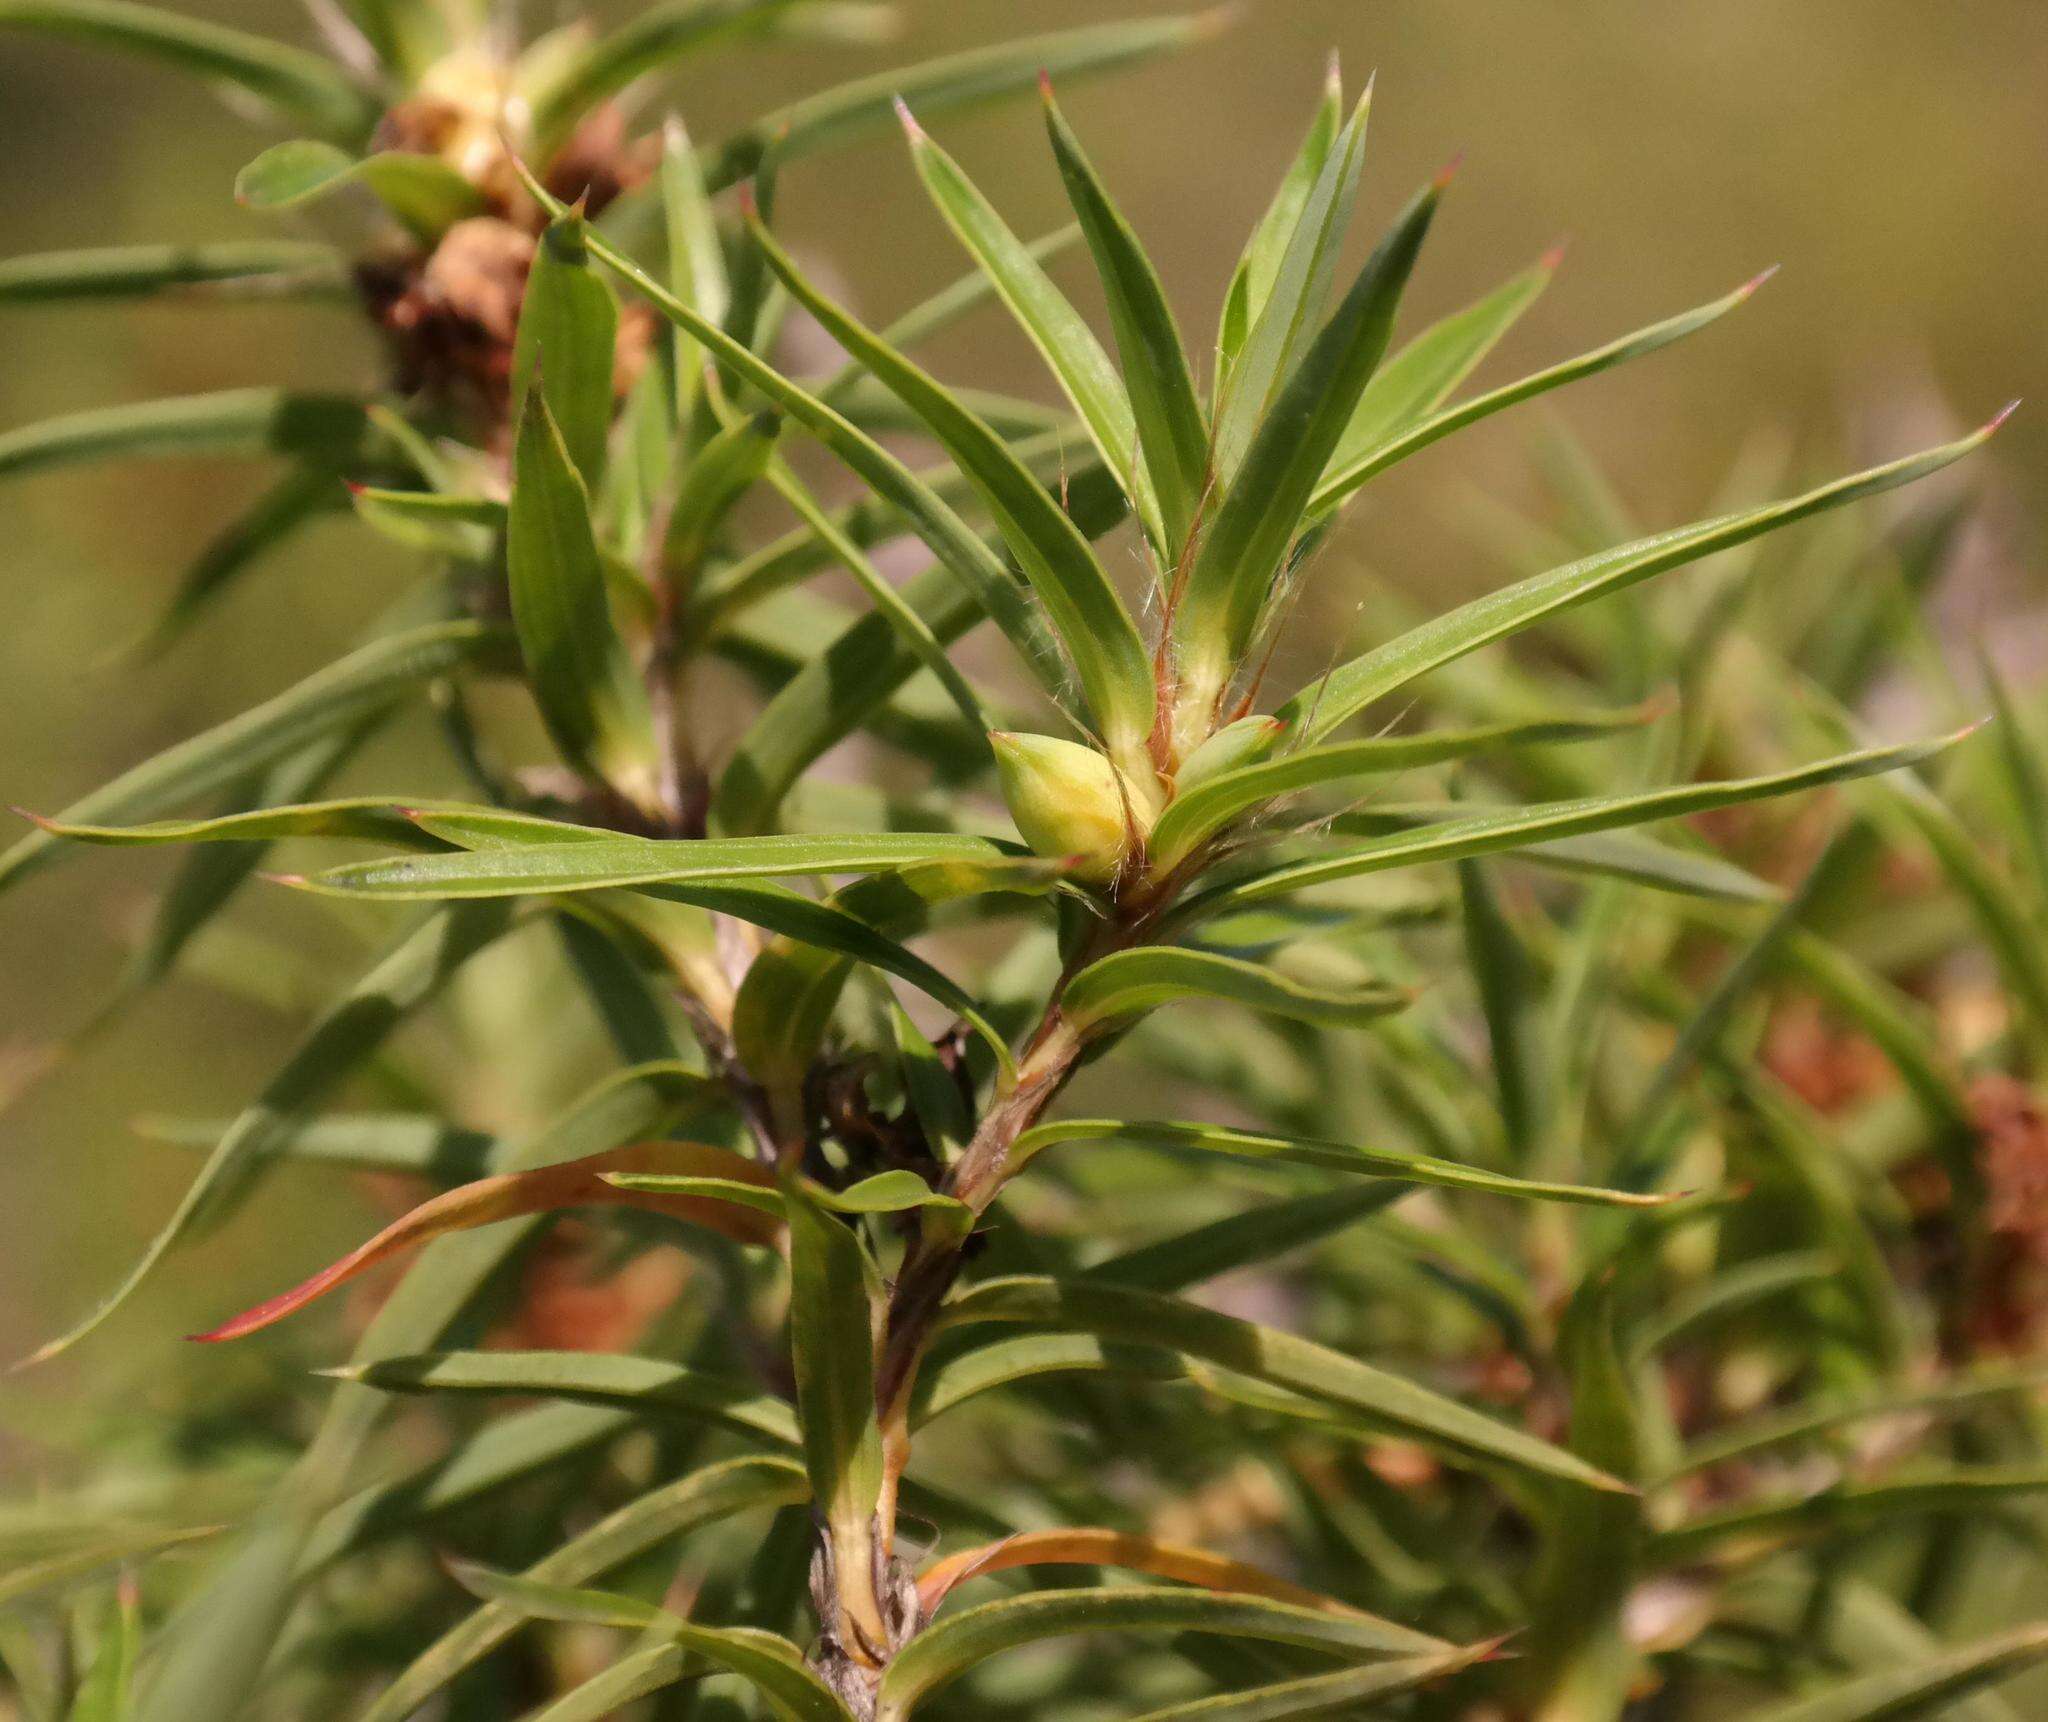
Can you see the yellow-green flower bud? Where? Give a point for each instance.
(1069, 802)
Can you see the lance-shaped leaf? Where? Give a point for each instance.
(1131, 983)
(580, 1183)
(279, 269)
(326, 428)
(897, 1192)
(1343, 693)
(1419, 377)
(1358, 459)
(962, 1641)
(1173, 434)
(80, 1559)
(416, 967)
(1309, 1151)
(704, 1497)
(1523, 827)
(1057, 330)
(770, 1664)
(714, 479)
(461, 526)
(1217, 800)
(1779, 1519)
(1090, 1546)
(1283, 1360)
(566, 344)
(1259, 1235)
(422, 191)
(957, 80)
(1296, 291)
(301, 85)
(594, 702)
(950, 1381)
(107, 1693)
(1102, 642)
(1251, 283)
(368, 816)
(834, 1292)
(1241, 553)
(414, 1144)
(971, 561)
(645, 1385)
(1928, 1688)
(1325, 1694)
(611, 863)
(638, 1674)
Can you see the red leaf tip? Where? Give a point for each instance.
(1757, 280)
(1997, 420)
(282, 878)
(909, 119)
(34, 818)
(750, 208)
(1448, 172)
(1550, 261)
(1044, 84)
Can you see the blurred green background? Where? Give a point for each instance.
(1888, 153)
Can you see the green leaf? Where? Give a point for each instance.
(424, 192)
(1253, 1238)
(657, 34)
(1661, 866)
(1173, 435)
(296, 83)
(1523, 827)
(107, 1692)
(1056, 329)
(410, 973)
(2023, 768)
(1132, 983)
(1928, 1688)
(1303, 260)
(1356, 460)
(959, 1642)
(1215, 801)
(1241, 554)
(1251, 284)
(84, 1558)
(1421, 376)
(412, 1144)
(645, 1385)
(461, 526)
(1335, 1694)
(588, 691)
(713, 480)
(342, 695)
(226, 272)
(549, 868)
(1101, 640)
(1308, 1151)
(1335, 698)
(324, 428)
(834, 1296)
(567, 342)
(971, 561)
(958, 80)
(771, 1664)
(1279, 1360)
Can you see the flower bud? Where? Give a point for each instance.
(1068, 802)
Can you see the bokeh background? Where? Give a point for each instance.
(1887, 153)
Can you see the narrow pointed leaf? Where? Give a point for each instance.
(107, 1693)
(1524, 827)
(269, 269)
(772, 1665)
(1277, 1359)
(588, 691)
(326, 428)
(421, 191)
(1101, 640)
(962, 1641)
(1056, 329)
(294, 82)
(1924, 1689)
(1172, 432)
(1343, 693)
(1334, 1695)
(580, 1183)
(1309, 1151)
(566, 344)
(1242, 551)
(1131, 983)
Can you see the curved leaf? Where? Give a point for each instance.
(1336, 1694)
(1131, 983)
(962, 1641)
(422, 191)
(543, 1189)
(264, 268)
(289, 79)
(1928, 1688)
(1278, 1359)
(1307, 1151)
(323, 428)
